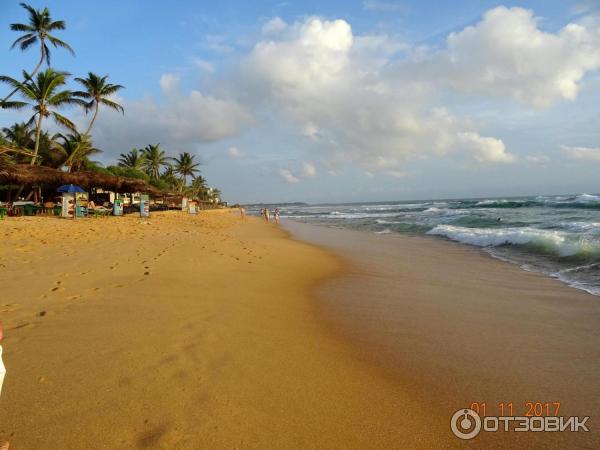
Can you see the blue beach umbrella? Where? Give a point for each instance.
(70, 188)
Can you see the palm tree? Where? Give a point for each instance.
(154, 159)
(20, 135)
(43, 94)
(50, 154)
(132, 160)
(76, 148)
(97, 91)
(185, 166)
(170, 179)
(39, 28)
(198, 187)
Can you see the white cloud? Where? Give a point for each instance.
(582, 153)
(181, 120)
(233, 153)
(332, 83)
(275, 25)
(369, 99)
(169, 83)
(507, 55)
(308, 170)
(485, 149)
(288, 176)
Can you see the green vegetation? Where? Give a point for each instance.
(45, 94)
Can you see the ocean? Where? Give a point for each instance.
(558, 236)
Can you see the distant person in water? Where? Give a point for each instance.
(3, 444)
(276, 215)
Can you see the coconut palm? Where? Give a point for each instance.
(185, 166)
(38, 30)
(132, 160)
(97, 91)
(50, 153)
(20, 135)
(76, 148)
(198, 187)
(154, 160)
(169, 178)
(44, 95)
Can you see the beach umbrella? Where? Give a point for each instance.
(70, 188)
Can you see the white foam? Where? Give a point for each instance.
(561, 243)
(585, 198)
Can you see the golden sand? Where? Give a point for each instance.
(181, 332)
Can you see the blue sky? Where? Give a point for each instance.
(345, 100)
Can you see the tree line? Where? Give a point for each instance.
(44, 92)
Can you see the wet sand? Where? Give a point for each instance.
(453, 326)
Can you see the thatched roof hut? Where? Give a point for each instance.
(27, 175)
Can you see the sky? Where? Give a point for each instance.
(343, 101)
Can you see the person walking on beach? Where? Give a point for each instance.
(3, 445)
(276, 216)
(242, 213)
(265, 213)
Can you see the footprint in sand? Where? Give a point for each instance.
(119, 285)
(57, 288)
(24, 325)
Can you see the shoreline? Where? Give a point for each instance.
(454, 325)
(209, 332)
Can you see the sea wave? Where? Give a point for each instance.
(586, 198)
(552, 242)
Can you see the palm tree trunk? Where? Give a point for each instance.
(38, 132)
(93, 119)
(32, 73)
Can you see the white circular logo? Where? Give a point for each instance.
(465, 424)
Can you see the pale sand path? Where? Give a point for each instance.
(183, 332)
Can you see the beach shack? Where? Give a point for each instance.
(37, 185)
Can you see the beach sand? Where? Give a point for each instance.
(205, 331)
(181, 332)
(453, 326)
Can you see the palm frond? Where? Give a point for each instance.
(13, 105)
(25, 44)
(81, 94)
(56, 25)
(23, 39)
(21, 27)
(113, 105)
(58, 43)
(62, 120)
